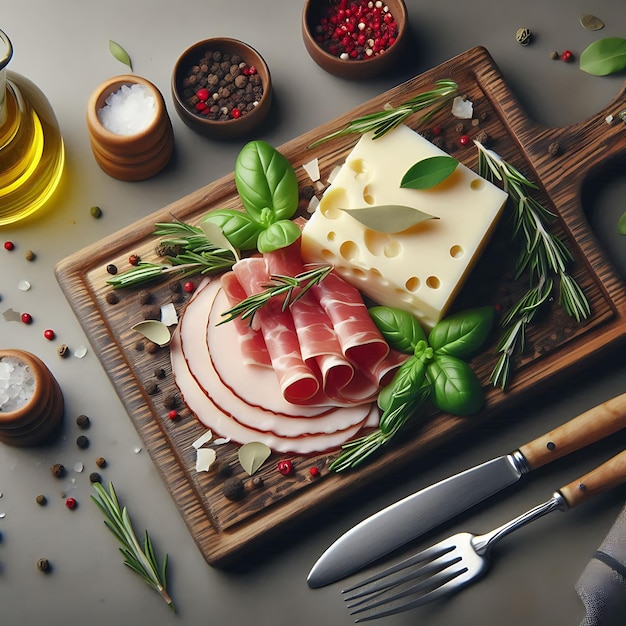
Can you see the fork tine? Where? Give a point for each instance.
(446, 587)
(432, 553)
(390, 582)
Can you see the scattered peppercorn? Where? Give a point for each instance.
(57, 470)
(257, 482)
(41, 500)
(112, 269)
(175, 286)
(567, 56)
(285, 467)
(233, 488)
(139, 345)
(464, 140)
(145, 297)
(29, 255)
(314, 471)
(9, 246)
(26, 318)
(71, 503)
(151, 387)
(482, 137)
(173, 414)
(189, 286)
(63, 350)
(134, 259)
(459, 127)
(43, 565)
(82, 441)
(159, 373)
(94, 477)
(83, 421)
(95, 211)
(49, 334)
(523, 36)
(170, 401)
(101, 461)
(553, 148)
(112, 297)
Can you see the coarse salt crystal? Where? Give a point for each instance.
(129, 110)
(17, 384)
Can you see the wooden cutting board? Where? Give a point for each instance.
(224, 530)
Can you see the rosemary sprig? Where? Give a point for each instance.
(543, 255)
(381, 122)
(195, 254)
(279, 285)
(141, 560)
(357, 451)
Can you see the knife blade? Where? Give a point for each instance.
(407, 519)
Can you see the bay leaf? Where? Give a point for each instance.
(429, 172)
(216, 236)
(389, 218)
(120, 54)
(604, 56)
(252, 455)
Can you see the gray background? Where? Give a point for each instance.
(63, 47)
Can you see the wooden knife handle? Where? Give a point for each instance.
(602, 478)
(588, 427)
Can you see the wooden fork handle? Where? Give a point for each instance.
(608, 475)
(588, 427)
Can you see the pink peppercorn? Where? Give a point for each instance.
(314, 471)
(285, 467)
(203, 94)
(9, 245)
(173, 414)
(567, 56)
(27, 318)
(71, 503)
(464, 140)
(49, 334)
(189, 287)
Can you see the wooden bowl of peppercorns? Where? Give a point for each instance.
(222, 88)
(355, 39)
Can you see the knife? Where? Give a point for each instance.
(418, 513)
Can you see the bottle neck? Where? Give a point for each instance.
(6, 52)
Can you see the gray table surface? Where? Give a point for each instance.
(63, 47)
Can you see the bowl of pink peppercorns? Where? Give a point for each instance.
(221, 88)
(355, 39)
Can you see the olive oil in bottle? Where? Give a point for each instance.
(32, 154)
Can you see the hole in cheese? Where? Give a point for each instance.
(349, 250)
(331, 235)
(477, 184)
(456, 252)
(381, 244)
(368, 195)
(359, 167)
(413, 283)
(433, 282)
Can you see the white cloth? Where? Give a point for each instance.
(602, 585)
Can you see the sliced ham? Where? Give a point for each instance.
(223, 407)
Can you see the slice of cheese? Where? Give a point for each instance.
(422, 268)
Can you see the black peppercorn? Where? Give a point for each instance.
(170, 401)
(111, 268)
(112, 297)
(145, 297)
(83, 421)
(57, 470)
(101, 462)
(94, 477)
(43, 565)
(159, 373)
(234, 489)
(41, 500)
(82, 441)
(151, 387)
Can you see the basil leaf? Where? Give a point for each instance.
(428, 172)
(605, 56)
(278, 235)
(238, 227)
(455, 387)
(389, 218)
(621, 224)
(400, 329)
(407, 380)
(266, 183)
(120, 54)
(461, 334)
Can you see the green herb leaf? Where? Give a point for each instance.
(266, 182)
(389, 218)
(455, 387)
(278, 235)
(141, 560)
(605, 56)
(120, 54)
(408, 378)
(400, 329)
(429, 172)
(461, 334)
(238, 227)
(621, 224)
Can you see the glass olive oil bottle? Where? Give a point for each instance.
(32, 154)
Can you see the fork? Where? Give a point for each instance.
(460, 559)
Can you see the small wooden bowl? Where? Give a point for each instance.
(130, 157)
(40, 417)
(183, 93)
(358, 69)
